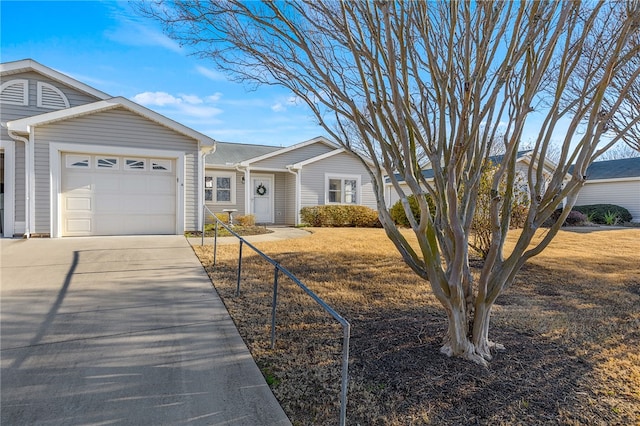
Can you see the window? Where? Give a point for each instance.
(220, 188)
(74, 161)
(343, 189)
(161, 165)
(134, 164)
(106, 163)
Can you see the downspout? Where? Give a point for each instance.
(296, 172)
(206, 150)
(27, 181)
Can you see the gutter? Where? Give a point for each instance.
(296, 172)
(28, 179)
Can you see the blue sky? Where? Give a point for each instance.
(105, 45)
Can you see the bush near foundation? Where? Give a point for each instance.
(340, 215)
(598, 213)
(400, 218)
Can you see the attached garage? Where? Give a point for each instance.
(117, 195)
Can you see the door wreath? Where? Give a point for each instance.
(261, 189)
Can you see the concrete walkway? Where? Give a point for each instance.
(278, 234)
(122, 331)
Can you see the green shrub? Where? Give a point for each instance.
(400, 218)
(598, 213)
(340, 215)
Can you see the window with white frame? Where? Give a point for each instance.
(220, 188)
(342, 189)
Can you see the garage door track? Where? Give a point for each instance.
(123, 331)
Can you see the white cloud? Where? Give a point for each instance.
(278, 107)
(283, 103)
(187, 106)
(156, 99)
(211, 74)
(214, 98)
(191, 99)
(133, 33)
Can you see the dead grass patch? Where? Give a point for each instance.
(571, 325)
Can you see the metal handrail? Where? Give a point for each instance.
(346, 327)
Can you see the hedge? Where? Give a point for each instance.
(340, 215)
(596, 212)
(400, 218)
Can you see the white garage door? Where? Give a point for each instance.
(117, 195)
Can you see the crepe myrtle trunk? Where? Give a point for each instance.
(409, 86)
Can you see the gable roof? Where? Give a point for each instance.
(320, 139)
(613, 169)
(496, 159)
(228, 153)
(26, 65)
(25, 125)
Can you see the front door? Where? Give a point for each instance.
(262, 198)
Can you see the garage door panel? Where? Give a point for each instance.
(113, 201)
(82, 204)
(78, 181)
(78, 226)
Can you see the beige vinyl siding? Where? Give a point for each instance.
(281, 200)
(239, 204)
(290, 208)
(313, 180)
(622, 193)
(294, 156)
(117, 127)
(9, 112)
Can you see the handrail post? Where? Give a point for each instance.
(273, 308)
(345, 374)
(239, 268)
(215, 242)
(204, 215)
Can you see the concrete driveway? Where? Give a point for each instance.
(122, 331)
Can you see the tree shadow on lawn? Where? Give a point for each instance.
(397, 374)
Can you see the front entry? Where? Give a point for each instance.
(262, 198)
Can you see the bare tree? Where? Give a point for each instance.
(620, 151)
(406, 83)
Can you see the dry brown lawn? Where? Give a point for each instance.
(570, 324)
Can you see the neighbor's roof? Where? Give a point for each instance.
(497, 159)
(228, 153)
(614, 169)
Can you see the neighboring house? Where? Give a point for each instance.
(523, 160)
(273, 183)
(613, 182)
(76, 161)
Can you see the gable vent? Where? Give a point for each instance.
(51, 97)
(15, 92)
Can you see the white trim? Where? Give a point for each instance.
(216, 174)
(27, 65)
(9, 225)
(610, 180)
(55, 154)
(318, 158)
(342, 177)
(320, 139)
(42, 85)
(271, 179)
(25, 125)
(25, 91)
